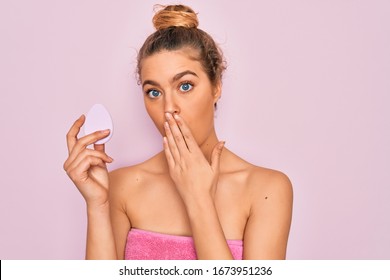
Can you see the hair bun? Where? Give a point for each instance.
(175, 15)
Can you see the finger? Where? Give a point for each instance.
(177, 134)
(71, 136)
(216, 156)
(93, 137)
(186, 132)
(87, 140)
(79, 173)
(99, 147)
(168, 154)
(171, 143)
(88, 153)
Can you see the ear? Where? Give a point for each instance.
(217, 91)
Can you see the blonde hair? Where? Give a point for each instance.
(175, 15)
(177, 28)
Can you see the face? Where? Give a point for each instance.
(174, 82)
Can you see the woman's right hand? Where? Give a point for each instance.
(87, 167)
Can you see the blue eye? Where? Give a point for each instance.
(153, 93)
(186, 87)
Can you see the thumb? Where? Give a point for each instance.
(99, 147)
(216, 155)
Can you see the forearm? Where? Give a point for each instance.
(100, 237)
(209, 239)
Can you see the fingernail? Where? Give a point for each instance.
(176, 116)
(168, 116)
(105, 131)
(80, 118)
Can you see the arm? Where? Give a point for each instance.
(87, 169)
(209, 238)
(109, 225)
(268, 226)
(120, 222)
(196, 181)
(100, 238)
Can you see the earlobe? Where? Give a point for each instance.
(217, 92)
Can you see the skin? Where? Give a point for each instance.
(194, 187)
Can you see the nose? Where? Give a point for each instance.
(171, 105)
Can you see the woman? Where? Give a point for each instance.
(195, 199)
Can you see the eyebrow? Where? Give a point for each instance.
(174, 79)
(181, 74)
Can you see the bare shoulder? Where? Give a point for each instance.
(269, 179)
(268, 225)
(129, 179)
(122, 183)
(124, 176)
(269, 184)
(259, 182)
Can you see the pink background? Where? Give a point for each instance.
(307, 92)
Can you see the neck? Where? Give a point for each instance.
(208, 145)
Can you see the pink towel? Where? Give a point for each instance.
(148, 245)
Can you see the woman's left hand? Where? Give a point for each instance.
(195, 178)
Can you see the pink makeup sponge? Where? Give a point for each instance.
(98, 118)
